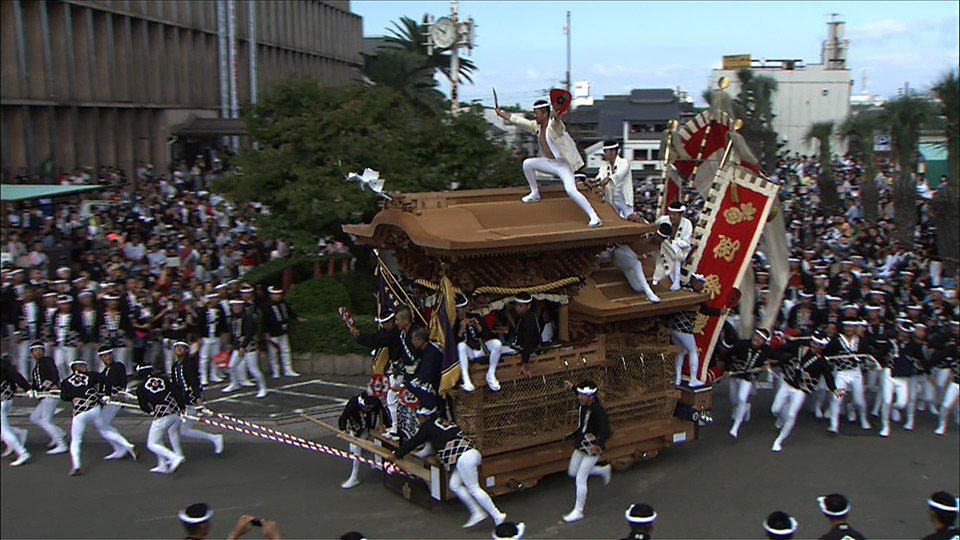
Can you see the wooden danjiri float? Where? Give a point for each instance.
(488, 241)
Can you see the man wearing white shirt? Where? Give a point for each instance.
(558, 155)
(675, 250)
(616, 180)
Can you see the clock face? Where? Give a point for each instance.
(444, 32)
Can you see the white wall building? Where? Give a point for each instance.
(806, 93)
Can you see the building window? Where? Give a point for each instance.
(654, 154)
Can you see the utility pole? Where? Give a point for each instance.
(566, 83)
(454, 61)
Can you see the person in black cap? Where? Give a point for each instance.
(459, 456)
(277, 315)
(944, 508)
(836, 509)
(801, 373)
(156, 397)
(360, 415)
(589, 439)
(675, 250)
(749, 357)
(641, 518)
(196, 520)
(44, 379)
(527, 336)
(509, 530)
(475, 341)
(616, 180)
(558, 155)
(779, 526)
(14, 437)
(186, 383)
(84, 391)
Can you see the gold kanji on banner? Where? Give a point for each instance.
(712, 286)
(735, 215)
(700, 323)
(726, 249)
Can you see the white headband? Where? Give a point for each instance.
(423, 411)
(631, 519)
(819, 341)
(941, 506)
(542, 106)
(822, 501)
(104, 352)
(614, 146)
(791, 530)
(181, 344)
(587, 390)
(190, 519)
(680, 209)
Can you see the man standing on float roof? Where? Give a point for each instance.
(558, 155)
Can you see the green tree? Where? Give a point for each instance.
(946, 200)
(860, 129)
(405, 72)
(904, 117)
(410, 36)
(754, 105)
(822, 132)
(310, 137)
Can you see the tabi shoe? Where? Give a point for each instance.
(215, 380)
(594, 223)
(218, 444)
(498, 520)
(474, 519)
(467, 386)
(60, 448)
(176, 462)
(119, 454)
(652, 297)
(909, 425)
(574, 515)
(493, 384)
(885, 432)
(76, 472)
(895, 415)
(942, 430)
(392, 435)
(230, 388)
(777, 446)
(350, 482)
(864, 423)
(274, 375)
(531, 198)
(734, 432)
(25, 457)
(675, 286)
(159, 469)
(695, 383)
(290, 373)
(248, 384)
(262, 393)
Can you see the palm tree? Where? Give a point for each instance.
(411, 36)
(860, 129)
(904, 117)
(406, 72)
(754, 105)
(829, 199)
(946, 200)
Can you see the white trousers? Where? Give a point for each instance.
(209, 347)
(42, 417)
(786, 405)
(582, 466)
(79, 426)
(896, 394)
(561, 169)
(186, 431)
(164, 425)
(286, 360)
(948, 404)
(851, 382)
(465, 483)
(393, 403)
(627, 261)
(11, 435)
(689, 344)
(465, 354)
(357, 451)
(62, 356)
(108, 413)
(740, 391)
(248, 363)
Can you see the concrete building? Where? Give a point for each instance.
(637, 120)
(91, 83)
(806, 93)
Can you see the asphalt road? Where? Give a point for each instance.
(712, 488)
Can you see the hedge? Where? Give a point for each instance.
(318, 300)
(326, 333)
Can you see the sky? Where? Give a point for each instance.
(521, 49)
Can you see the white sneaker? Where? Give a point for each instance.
(274, 375)
(218, 444)
(60, 448)
(215, 380)
(594, 223)
(531, 198)
(942, 430)
(262, 393)
(909, 425)
(230, 388)
(248, 384)
(21, 459)
(574, 515)
(350, 482)
(493, 384)
(467, 386)
(474, 519)
(734, 432)
(776, 446)
(865, 424)
(204, 382)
